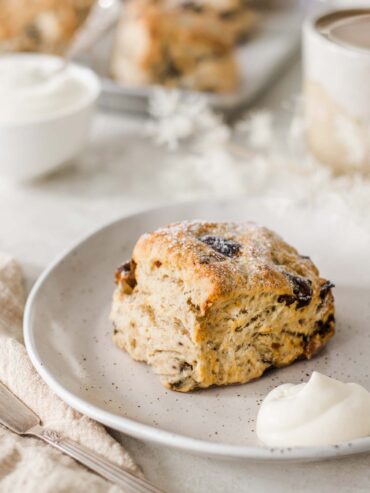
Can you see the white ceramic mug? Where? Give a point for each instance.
(337, 88)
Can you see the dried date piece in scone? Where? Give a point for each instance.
(219, 303)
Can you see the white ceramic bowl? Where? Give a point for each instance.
(35, 147)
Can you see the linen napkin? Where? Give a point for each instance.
(28, 465)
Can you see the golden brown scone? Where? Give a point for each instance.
(40, 25)
(165, 46)
(219, 303)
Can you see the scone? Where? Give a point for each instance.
(40, 25)
(156, 45)
(219, 303)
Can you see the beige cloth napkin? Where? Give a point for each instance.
(27, 465)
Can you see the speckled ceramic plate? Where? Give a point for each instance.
(67, 335)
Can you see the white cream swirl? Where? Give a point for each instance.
(322, 411)
(29, 90)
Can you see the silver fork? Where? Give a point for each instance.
(19, 418)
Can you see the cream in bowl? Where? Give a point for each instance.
(45, 114)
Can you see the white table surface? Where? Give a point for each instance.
(120, 173)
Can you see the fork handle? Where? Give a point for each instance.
(101, 17)
(95, 462)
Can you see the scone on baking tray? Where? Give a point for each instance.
(156, 44)
(219, 303)
(40, 25)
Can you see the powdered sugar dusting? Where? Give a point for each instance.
(238, 254)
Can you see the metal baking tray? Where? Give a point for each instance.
(261, 59)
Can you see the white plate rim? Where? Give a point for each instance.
(147, 432)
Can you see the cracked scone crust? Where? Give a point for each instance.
(234, 18)
(219, 303)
